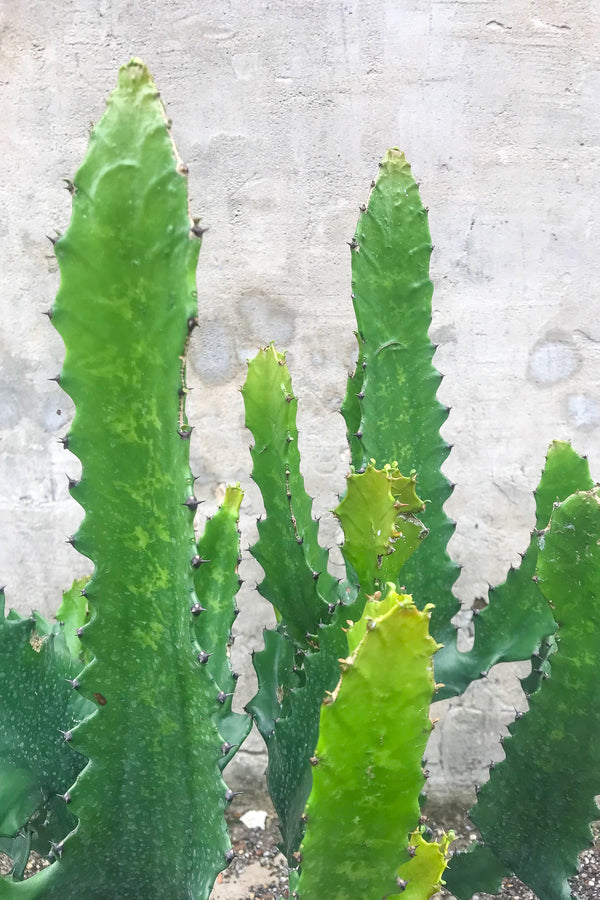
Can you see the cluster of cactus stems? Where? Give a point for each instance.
(116, 721)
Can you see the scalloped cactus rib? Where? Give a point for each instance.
(391, 410)
(552, 760)
(150, 803)
(364, 798)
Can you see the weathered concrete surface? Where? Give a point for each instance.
(282, 111)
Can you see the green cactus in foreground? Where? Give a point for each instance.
(363, 803)
(150, 801)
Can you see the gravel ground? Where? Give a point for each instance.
(259, 871)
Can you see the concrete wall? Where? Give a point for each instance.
(281, 110)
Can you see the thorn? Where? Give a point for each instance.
(358, 435)
(401, 884)
(185, 432)
(70, 187)
(483, 674)
(411, 851)
(222, 696)
(73, 482)
(55, 378)
(79, 632)
(197, 561)
(315, 575)
(48, 312)
(353, 244)
(83, 592)
(67, 735)
(66, 797)
(230, 856)
(226, 747)
(198, 230)
(70, 540)
(196, 609)
(331, 608)
(229, 795)
(314, 761)
(361, 395)
(192, 503)
(64, 441)
(56, 849)
(52, 240)
(203, 657)
(74, 682)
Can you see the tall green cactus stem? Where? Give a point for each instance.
(296, 580)
(552, 765)
(293, 674)
(364, 798)
(150, 802)
(391, 410)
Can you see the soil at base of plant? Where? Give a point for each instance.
(259, 872)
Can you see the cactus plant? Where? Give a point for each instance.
(392, 416)
(112, 762)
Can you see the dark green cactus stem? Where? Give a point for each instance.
(364, 798)
(296, 580)
(391, 409)
(517, 620)
(534, 812)
(216, 582)
(38, 710)
(150, 803)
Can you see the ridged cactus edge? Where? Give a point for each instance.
(150, 802)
